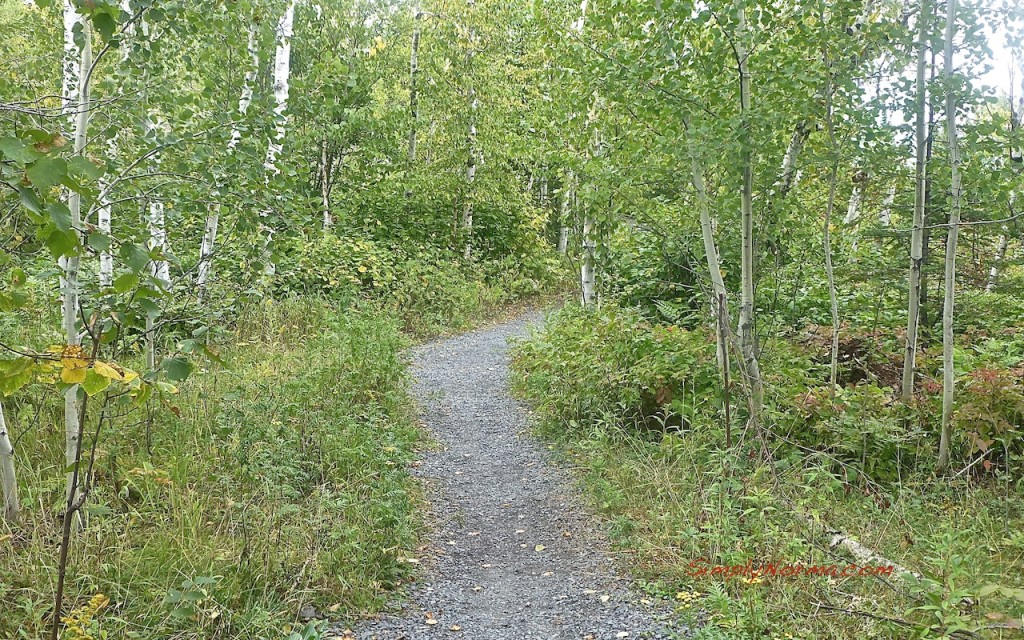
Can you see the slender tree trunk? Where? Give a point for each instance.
(106, 274)
(206, 250)
(885, 215)
(467, 206)
(833, 176)
(563, 218)
(325, 186)
(747, 336)
(853, 210)
(588, 273)
(282, 72)
(951, 241)
(790, 173)
(993, 272)
(917, 235)
(213, 215)
(718, 294)
(8, 481)
(414, 113)
(471, 153)
(69, 281)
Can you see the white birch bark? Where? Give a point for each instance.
(8, 480)
(790, 174)
(565, 209)
(588, 274)
(325, 187)
(69, 281)
(993, 272)
(467, 207)
(707, 232)
(71, 64)
(206, 250)
(833, 177)
(952, 235)
(104, 208)
(917, 234)
(748, 345)
(853, 210)
(885, 215)
(282, 72)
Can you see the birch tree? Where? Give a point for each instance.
(917, 234)
(8, 480)
(282, 71)
(206, 248)
(747, 337)
(471, 150)
(952, 235)
(79, 75)
(568, 194)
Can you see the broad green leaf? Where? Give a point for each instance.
(14, 149)
(176, 369)
(61, 243)
(47, 172)
(83, 167)
(126, 282)
(94, 383)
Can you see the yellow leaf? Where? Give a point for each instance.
(107, 371)
(539, 547)
(74, 363)
(128, 376)
(73, 375)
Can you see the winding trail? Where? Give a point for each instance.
(514, 555)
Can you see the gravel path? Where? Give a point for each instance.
(514, 555)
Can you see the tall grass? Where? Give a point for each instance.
(264, 487)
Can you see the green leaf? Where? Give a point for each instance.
(30, 200)
(60, 215)
(47, 172)
(15, 374)
(176, 369)
(94, 383)
(61, 243)
(126, 282)
(14, 149)
(134, 256)
(81, 166)
(98, 241)
(105, 24)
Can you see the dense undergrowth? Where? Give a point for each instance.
(270, 486)
(635, 404)
(272, 483)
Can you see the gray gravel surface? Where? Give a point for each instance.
(513, 554)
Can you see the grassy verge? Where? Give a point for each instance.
(262, 489)
(633, 407)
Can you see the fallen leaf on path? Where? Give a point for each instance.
(455, 627)
(605, 598)
(430, 618)
(539, 547)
